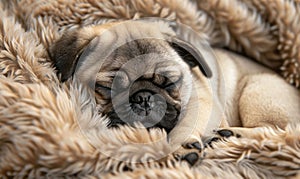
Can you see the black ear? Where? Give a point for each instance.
(65, 53)
(191, 55)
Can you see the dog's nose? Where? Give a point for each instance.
(142, 102)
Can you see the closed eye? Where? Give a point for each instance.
(168, 84)
(102, 87)
(104, 91)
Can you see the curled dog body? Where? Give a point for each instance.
(143, 72)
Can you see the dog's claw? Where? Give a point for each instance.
(191, 158)
(195, 145)
(225, 133)
(214, 139)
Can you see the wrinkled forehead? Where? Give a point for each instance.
(134, 30)
(143, 53)
(141, 64)
(128, 31)
(143, 42)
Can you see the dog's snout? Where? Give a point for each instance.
(143, 102)
(143, 98)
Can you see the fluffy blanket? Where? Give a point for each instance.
(40, 135)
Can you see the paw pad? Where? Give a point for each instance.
(225, 133)
(191, 158)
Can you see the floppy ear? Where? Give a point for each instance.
(66, 51)
(191, 55)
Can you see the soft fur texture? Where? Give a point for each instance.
(39, 117)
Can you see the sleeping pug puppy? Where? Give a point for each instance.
(141, 71)
(150, 73)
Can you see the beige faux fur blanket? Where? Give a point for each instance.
(40, 135)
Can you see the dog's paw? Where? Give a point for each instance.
(190, 152)
(225, 133)
(193, 145)
(210, 140)
(239, 132)
(191, 158)
(195, 148)
(219, 135)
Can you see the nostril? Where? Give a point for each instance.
(142, 102)
(140, 97)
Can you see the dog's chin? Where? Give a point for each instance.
(156, 119)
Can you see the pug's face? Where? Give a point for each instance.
(144, 78)
(142, 81)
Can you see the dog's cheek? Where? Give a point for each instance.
(174, 90)
(103, 99)
(174, 93)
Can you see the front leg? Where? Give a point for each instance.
(187, 136)
(191, 149)
(187, 143)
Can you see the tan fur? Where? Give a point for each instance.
(36, 144)
(254, 97)
(267, 33)
(261, 96)
(250, 90)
